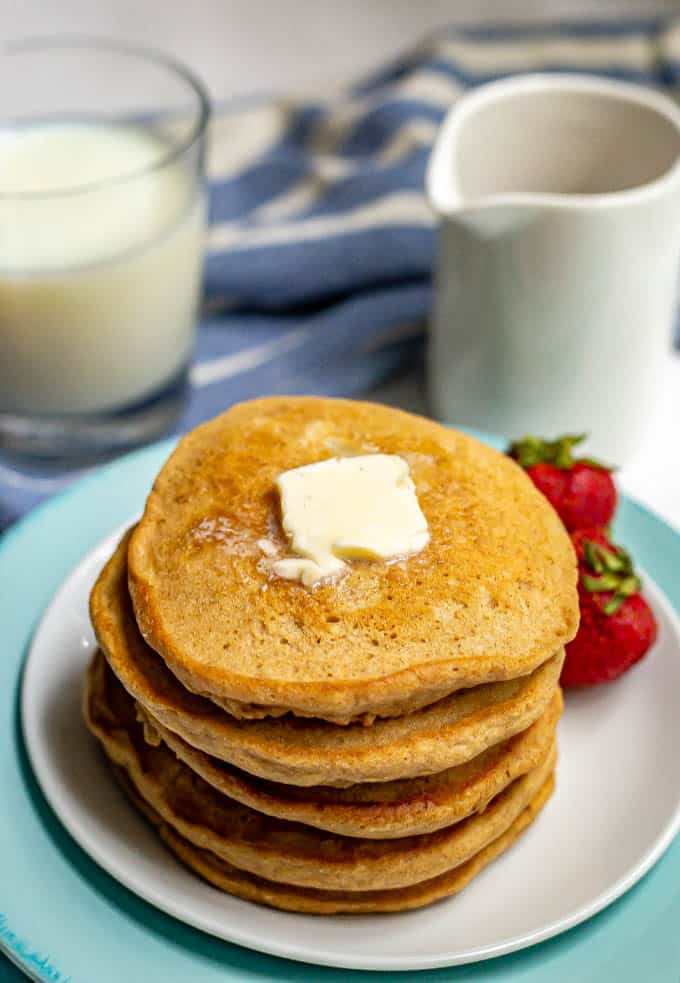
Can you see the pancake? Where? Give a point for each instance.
(378, 810)
(282, 851)
(491, 597)
(305, 752)
(309, 901)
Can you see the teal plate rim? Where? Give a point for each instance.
(61, 915)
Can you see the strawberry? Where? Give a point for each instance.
(580, 490)
(617, 625)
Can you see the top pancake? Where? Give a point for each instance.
(309, 752)
(492, 596)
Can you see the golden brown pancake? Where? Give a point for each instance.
(306, 752)
(309, 901)
(286, 852)
(377, 810)
(491, 597)
(380, 810)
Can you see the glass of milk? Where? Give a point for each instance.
(102, 219)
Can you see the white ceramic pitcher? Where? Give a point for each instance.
(559, 252)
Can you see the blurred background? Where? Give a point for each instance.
(245, 46)
(275, 321)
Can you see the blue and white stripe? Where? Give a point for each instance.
(320, 245)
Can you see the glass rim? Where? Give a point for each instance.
(141, 51)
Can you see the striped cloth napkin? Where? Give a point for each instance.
(321, 241)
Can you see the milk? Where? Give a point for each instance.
(99, 270)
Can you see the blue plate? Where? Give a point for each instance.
(63, 919)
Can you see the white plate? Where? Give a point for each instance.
(615, 810)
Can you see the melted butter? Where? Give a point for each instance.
(362, 507)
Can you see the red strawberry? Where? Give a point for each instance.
(590, 497)
(617, 625)
(580, 490)
(551, 481)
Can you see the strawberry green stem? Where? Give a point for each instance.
(531, 450)
(613, 573)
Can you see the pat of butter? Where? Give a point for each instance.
(346, 508)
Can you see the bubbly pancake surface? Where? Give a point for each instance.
(491, 597)
(308, 752)
(283, 851)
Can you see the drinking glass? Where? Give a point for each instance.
(102, 222)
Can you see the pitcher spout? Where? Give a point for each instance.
(491, 218)
(542, 142)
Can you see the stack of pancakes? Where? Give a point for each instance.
(371, 743)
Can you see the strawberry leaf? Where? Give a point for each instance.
(531, 450)
(613, 604)
(614, 572)
(629, 586)
(615, 562)
(600, 585)
(592, 556)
